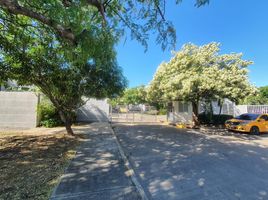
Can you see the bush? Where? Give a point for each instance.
(151, 112)
(48, 115)
(213, 119)
(162, 111)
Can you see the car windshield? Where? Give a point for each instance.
(248, 117)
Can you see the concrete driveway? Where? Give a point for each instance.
(184, 164)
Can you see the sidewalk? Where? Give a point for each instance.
(97, 171)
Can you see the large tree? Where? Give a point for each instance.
(72, 20)
(54, 44)
(31, 54)
(198, 73)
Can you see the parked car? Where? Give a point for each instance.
(249, 123)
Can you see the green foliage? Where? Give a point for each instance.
(66, 48)
(77, 23)
(162, 111)
(261, 98)
(48, 115)
(207, 119)
(33, 55)
(264, 91)
(199, 73)
(134, 96)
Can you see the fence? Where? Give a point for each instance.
(136, 114)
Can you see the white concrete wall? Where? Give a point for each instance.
(240, 109)
(18, 109)
(176, 116)
(2, 88)
(186, 117)
(228, 107)
(94, 111)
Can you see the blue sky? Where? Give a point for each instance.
(240, 26)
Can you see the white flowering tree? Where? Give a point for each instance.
(198, 73)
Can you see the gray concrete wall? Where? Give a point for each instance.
(18, 109)
(94, 111)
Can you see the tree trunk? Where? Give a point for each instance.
(220, 109)
(67, 122)
(210, 112)
(195, 114)
(68, 127)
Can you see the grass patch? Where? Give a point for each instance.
(31, 164)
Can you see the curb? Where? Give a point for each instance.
(132, 173)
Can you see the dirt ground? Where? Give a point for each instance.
(31, 161)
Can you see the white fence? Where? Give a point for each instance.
(258, 109)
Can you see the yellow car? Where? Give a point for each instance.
(249, 123)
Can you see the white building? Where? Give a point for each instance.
(182, 111)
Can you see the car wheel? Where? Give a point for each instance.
(255, 130)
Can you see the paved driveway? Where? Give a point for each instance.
(179, 164)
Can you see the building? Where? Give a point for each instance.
(181, 112)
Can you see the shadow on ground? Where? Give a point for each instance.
(184, 164)
(97, 171)
(30, 165)
(240, 135)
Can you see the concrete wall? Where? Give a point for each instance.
(240, 109)
(176, 116)
(94, 111)
(228, 107)
(18, 109)
(186, 117)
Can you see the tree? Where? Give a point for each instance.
(65, 47)
(72, 21)
(33, 55)
(198, 73)
(261, 98)
(136, 95)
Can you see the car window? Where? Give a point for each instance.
(248, 117)
(265, 117)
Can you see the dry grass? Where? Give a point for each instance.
(32, 162)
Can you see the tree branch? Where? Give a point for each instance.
(159, 10)
(95, 3)
(14, 8)
(99, 5)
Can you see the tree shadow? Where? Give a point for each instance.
(97, 171)
(179, 164)
(31, 164)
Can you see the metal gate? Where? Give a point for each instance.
(135, 116)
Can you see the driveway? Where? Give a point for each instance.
(184, 164)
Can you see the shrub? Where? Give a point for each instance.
(48, 115)
(213, 119)
(151, 112)
(162, 111)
